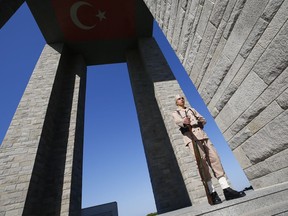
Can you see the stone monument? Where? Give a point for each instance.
(235, 52)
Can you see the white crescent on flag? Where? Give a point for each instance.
(73, 14)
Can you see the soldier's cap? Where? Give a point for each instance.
(178, 96)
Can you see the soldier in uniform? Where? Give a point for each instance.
(191, 125)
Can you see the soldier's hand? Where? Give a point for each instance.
(186, 120)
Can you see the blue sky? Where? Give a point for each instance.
(114, 166)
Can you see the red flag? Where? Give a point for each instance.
(96, 19)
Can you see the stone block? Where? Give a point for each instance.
(275, 25)
(277, 87)
(251, 87)
(282, 100)
(172, 20)
(241, 158)
(274, 59)
(239, 77)
(229, 9)
(234, 9)
(202, 53)
(187, 29)
(205, 14)
(187, 62)
(253, 37)
(270, 140)
(13, 212)
(270, 179)
(254, 113)
(242, 28)
(215, 50)
(190, 58)
(225, 83)
(268, 114)
(182, 10)
(271, 9)
(221, 69)
(260, 119)
(160, 15)
(218, 11)
(270, 165)
(166, 16)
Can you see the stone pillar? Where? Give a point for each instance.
(154, 88)
(41, 155)
(7, 9)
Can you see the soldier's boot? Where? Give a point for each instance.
(229, 193)
(215, 198)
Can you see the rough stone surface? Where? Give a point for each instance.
(261, 119)
(218, 11)
(251, 87)
(271, 9)
(216, 78)
(271, 179)
(239, 77)
(242, 158)
(16, 137)
(228, 10)
(270, 140)
(272, 164)
(162, 163)
(187, 29)
(274, 60)
(282, 100)
(32, 183)
(243, 27)
(182, 9)
(166, 16)
(271, 93)
(275, 25)
(202, 52)
(254, 36)
(214, 54)
(224, 84)
(205, 14)
(171, 24)
(190, 59)
(187, 62)
(233, 17)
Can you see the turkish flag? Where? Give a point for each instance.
(96, 19)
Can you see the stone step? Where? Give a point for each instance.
(280, 208)
(268, 201)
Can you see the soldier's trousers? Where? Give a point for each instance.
(210, 158)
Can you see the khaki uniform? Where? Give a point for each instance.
(207, 151)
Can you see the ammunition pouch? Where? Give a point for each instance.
(184, 130)
(201, 125)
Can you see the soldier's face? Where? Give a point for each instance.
(180, 101)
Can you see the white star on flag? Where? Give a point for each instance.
(101, 15)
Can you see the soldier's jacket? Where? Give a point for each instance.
(195, 118)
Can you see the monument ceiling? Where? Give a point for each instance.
(100, 30)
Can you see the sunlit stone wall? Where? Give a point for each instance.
(236, 54)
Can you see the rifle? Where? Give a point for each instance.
(198, 158)
(201, 172)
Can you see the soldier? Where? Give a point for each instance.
(191, 125)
